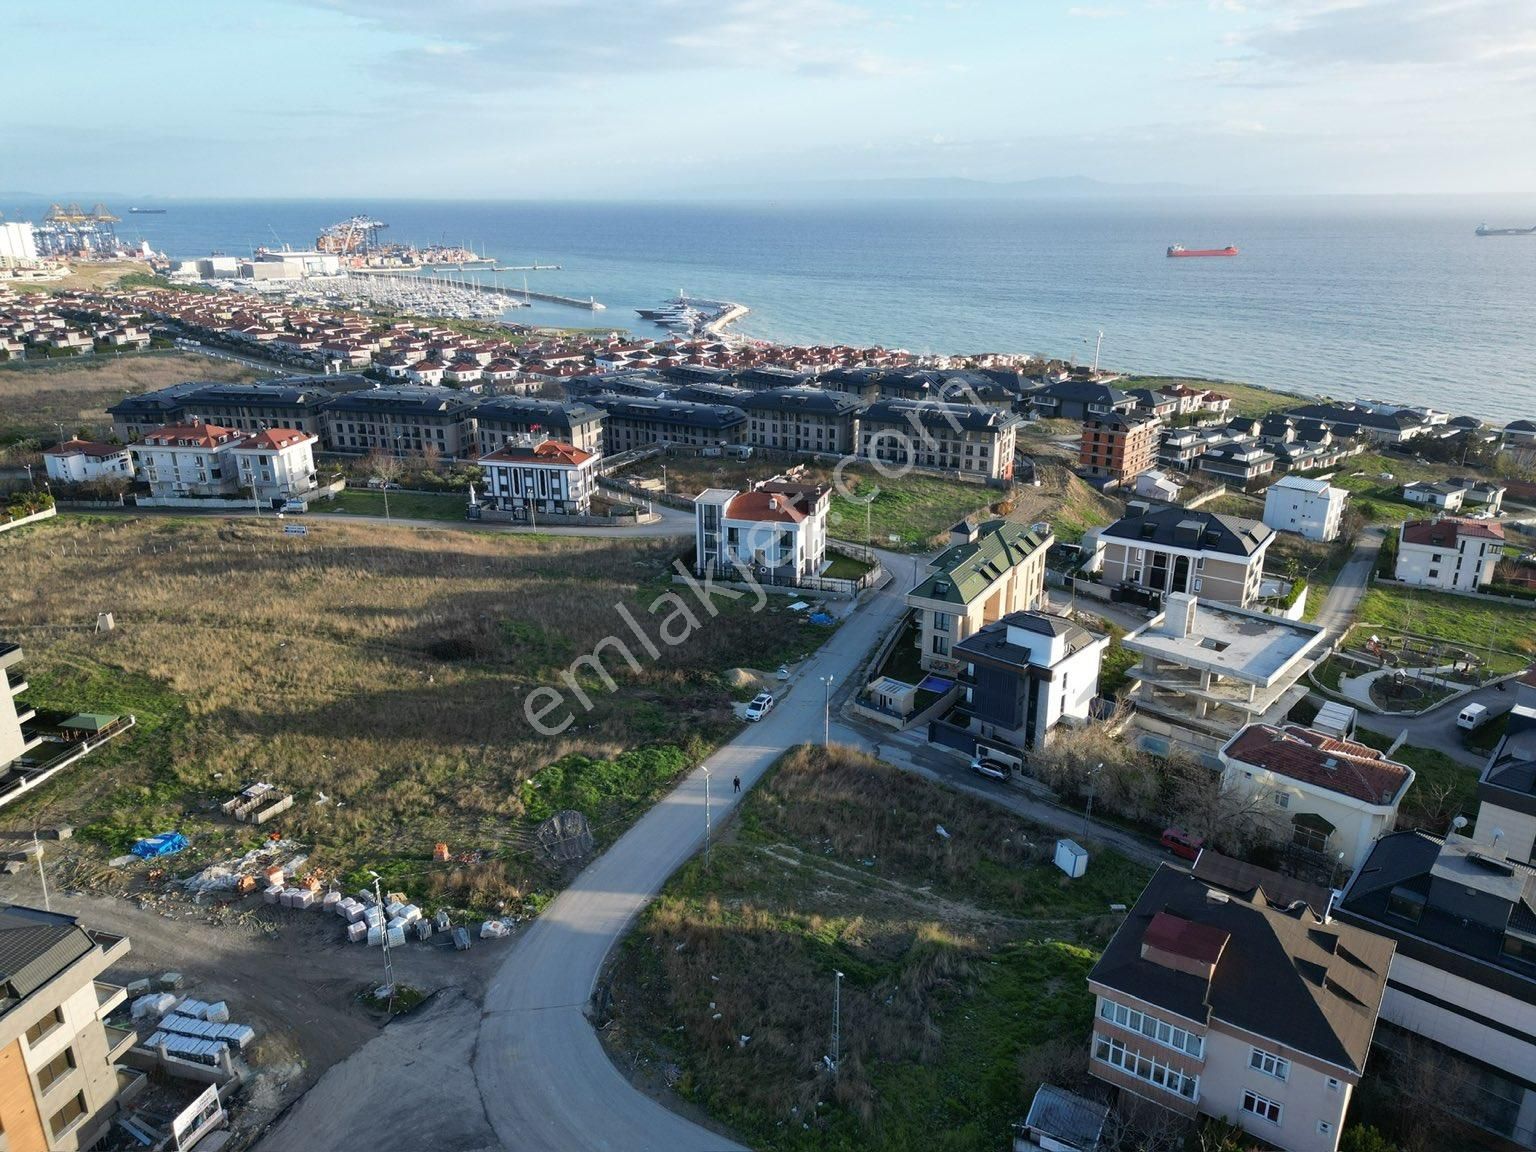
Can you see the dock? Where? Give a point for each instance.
(517, 297)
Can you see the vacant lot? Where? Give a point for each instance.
(909, 511)
(381, 673)
(406, 505)
(1502, 634)
(36, 396)
(963, 956)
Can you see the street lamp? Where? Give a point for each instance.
(1088, 814)
(706, 816)
(826, 713)
(837, 1024)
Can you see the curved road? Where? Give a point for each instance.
(543, 1076)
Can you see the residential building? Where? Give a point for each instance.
(502, 419)
(863, 383)
(989, 571)
(1027, 672)
(1238, 460)
(1118, 446)
(1214, 1002)
(402, 420)
(528, 476)
(1151, 403)
(133, 416)
(60, 1085)
(291, 402)
(1331, 798)
(276, 464)
(1313, 509)
(1078, 399)
(777, 531)
(1519, 433)
(1166, 550)
(1181, 448)
(972, 440)
(1209, 669)
(1454, 494)
(1506, 789)
(803, 420)
(87, 461)
(1159, 486)
(1461, 997)
(639, 423)
(17, 734)
(1382, 426)
(190, 459)
(1457, 555)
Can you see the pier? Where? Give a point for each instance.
(518, 297)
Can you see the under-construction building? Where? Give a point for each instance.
(68, 230)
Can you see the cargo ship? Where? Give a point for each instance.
(1180, 250)
(147, 211)
(1484, 230)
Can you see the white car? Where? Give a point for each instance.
(761, 705)
(989, 768)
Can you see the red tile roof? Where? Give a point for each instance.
(1201, 943)
(765, 506)
(196, 435)
(1318, 760)
(92, 448)
(275, 439)
(549, 452)
(1444, 533)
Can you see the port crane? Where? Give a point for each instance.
(352, 237)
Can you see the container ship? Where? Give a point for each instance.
(1180, 250)
(1484, 230)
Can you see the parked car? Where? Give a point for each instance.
(1182, 843)
(989, 768)
(294, 506)
(761, 705)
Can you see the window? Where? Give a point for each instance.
(1151, 1027)
(1169, 1079)
(1335, 1084)
(1261, 1106)
(1269, 1064)
(44, 1026)
(1325, 1128)
(1281, 799)
(941, 621)
(57, 1068)
(67, 1115)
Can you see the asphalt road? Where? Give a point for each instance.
(544, 1079)
(1344, 597)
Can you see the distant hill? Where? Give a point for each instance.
(959, 188)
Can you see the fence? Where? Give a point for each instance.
(22, 521)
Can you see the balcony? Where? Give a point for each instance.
(119, 1041)
(108, 997)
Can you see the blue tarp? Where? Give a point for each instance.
(820, 618)
(165, 844)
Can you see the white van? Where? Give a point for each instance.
(1472, 716)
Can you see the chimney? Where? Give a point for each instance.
(1179, 615)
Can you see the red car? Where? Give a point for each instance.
(1182, 843)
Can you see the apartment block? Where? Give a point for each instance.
(1118, 446)
(971, 440)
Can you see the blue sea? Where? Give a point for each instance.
(1361, 297)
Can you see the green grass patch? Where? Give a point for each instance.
(842, 567)
(402, 505)
(1115, 665)
(605, 790)
(1442, 787)
(1502, 634)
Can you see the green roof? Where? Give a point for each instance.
(90, 721)
(967, 570)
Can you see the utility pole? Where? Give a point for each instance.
(837, 1025)
(1088, 814)
(389, 967)
(826, 714)
(706, 816)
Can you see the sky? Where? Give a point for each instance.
(479, 99)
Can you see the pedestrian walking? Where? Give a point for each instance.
(736, 783)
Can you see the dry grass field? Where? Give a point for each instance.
(381, 672)
(37, 396)
(963, 957)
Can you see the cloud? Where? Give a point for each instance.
(1327, 34)
(491, 45)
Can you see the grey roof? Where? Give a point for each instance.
(678, 412)
(1246, 880)
(156, 404)
(1084, 392)
(715, 393)
(1067, 1116)
(991, 641)
(1174, 527)
(35, 946)
(818, 401)
(406, 399)
(1448, 935)
(1284, 975)
(935, 413)
(305, 391)
(964, 571)
(529, 410)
